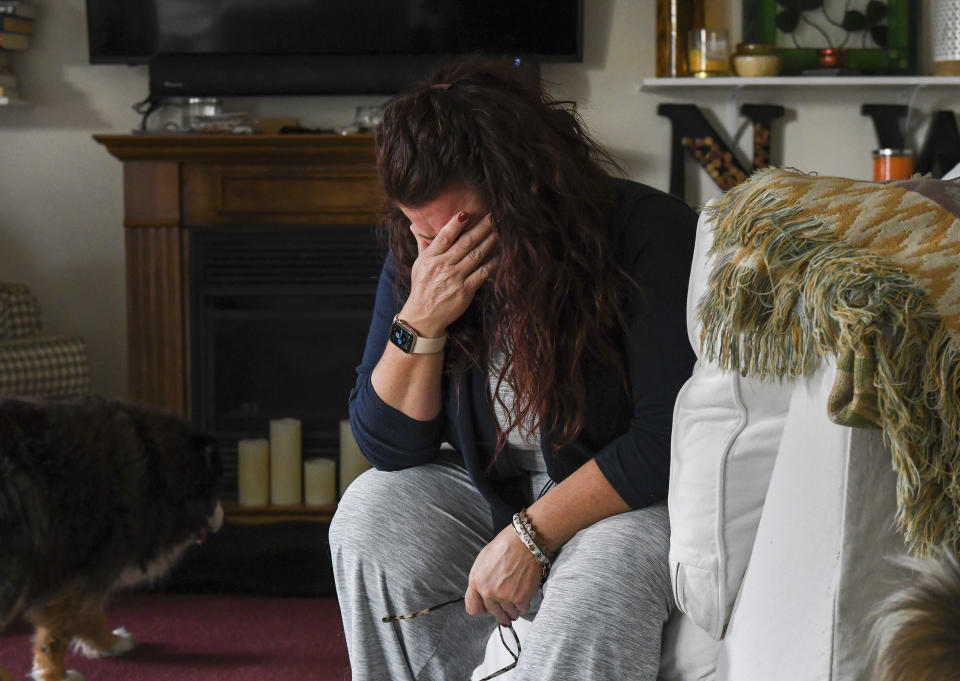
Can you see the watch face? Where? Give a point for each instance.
(401, 337)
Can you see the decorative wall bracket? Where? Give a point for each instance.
(692, 131)
(941, 150)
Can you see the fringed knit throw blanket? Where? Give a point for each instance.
(868, 272)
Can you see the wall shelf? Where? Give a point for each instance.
(900, 82)
(907, 87)
(9, 101)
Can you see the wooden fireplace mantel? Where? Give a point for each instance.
(349, 149)
(176, 182)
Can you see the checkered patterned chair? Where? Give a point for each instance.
(33, 364)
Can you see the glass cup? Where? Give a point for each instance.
(707, 53)
(199, 109)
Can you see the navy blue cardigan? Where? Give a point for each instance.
(652, 235)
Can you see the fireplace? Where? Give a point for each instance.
(279, 319)
(251, 269)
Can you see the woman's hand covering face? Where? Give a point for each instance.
(449, 269)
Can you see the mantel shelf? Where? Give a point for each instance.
(901, 82)
(356, 148)
(261, 515)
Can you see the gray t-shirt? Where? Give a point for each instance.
(523, 445)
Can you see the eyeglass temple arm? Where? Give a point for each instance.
(394, 618)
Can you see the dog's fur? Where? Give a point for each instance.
(95, 495)
(916, 633)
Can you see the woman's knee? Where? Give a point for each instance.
(623, 556)
(358, 521)
(627, 538)
(430, 504)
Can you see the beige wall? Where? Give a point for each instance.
(61, 215)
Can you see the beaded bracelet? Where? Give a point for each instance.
(521, 523)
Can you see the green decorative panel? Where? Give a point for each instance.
(880, 37)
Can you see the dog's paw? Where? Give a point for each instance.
(71, 675)
(122, 643)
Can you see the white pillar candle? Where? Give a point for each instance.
(352, 460)
(253, 461)
(286, 448)
(320, 482)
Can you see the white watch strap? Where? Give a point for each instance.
(428, 346)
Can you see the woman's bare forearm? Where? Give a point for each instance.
(409, 383)
(583, 498)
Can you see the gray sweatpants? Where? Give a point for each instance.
(406, 540)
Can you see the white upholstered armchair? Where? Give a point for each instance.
(834, 301)
(782, 521)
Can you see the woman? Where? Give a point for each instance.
(544, 303)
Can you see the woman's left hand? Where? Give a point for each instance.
(504, 578)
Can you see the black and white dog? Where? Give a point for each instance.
(95, 495)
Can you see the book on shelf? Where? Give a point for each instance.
(10, 92)
(14, 41)
(14, 24)
(18, 8)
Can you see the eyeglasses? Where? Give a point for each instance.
(432, 608)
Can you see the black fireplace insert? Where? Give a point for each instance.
(279, 319)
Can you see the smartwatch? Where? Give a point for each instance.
(407, 339)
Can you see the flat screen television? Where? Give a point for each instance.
(263, 47)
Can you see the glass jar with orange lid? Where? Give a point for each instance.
(892, 164)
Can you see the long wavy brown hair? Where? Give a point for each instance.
(554, 302)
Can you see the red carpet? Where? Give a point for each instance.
(187, 637)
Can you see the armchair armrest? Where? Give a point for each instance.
(726, 432)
